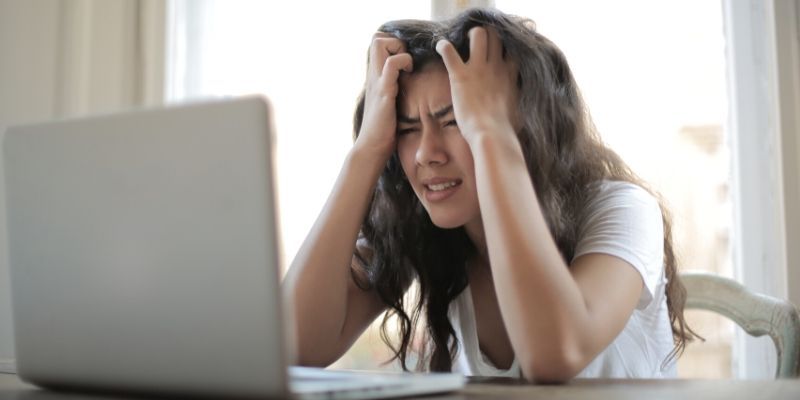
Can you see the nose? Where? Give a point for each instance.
(431, 149)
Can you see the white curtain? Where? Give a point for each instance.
(69, 58)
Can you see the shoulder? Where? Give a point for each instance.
(624, 220)
(621, 202)
(622, 210)
(610, 193)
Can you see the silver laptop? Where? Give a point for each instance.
(144, 258)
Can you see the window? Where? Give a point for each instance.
(309, 59)
(653, 75)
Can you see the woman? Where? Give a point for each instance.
(476, 171)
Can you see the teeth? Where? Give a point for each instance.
(441, 186)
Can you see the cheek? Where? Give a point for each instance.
(406, 152)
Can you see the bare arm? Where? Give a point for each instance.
(558, 318)
(330, 311)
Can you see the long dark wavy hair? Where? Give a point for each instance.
(564, 157)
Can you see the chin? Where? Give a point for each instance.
(447, 221)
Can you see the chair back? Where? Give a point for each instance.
(756, 313)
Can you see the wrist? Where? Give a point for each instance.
(374, 147)
(496, 133)
(367, 158)
(492, 145)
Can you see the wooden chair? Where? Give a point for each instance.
(756, 313)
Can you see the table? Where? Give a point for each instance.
(596, 389)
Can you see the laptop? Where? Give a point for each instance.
(144, 257)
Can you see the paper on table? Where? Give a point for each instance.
(8, 366)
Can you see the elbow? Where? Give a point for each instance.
(310, 353)
(554, 365)
(307, 350)
(312, 361)
(307, 356)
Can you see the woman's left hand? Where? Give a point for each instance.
(484, 89)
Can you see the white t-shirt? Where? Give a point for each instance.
(622, 220)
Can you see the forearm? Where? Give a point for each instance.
(542, 306)
(317, 282)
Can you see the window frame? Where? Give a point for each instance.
(764, 102)
(763, 68)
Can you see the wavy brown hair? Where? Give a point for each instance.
(564, 156)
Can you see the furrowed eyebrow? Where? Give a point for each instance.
(407, 120)
(444, 111)
(404, 119)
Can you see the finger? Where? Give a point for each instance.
(381, 49)
(452, 61)
(495, 45)
(396, 63)
(382, 35)
(383, 45)
(478, 42)
(372, 54)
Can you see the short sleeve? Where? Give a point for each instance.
(624, 220)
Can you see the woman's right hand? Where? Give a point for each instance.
(387, 57)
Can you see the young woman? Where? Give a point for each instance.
(476, 171)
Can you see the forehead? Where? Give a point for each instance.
(427, 88)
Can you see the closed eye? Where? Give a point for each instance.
(451, 122)
(404, 131)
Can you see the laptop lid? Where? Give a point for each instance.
(144, 252)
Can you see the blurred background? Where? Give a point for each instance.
(658, 77)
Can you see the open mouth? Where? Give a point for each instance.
(442, 189)
(443, 186)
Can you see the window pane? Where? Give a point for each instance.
(653, 76)
(308, 58)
